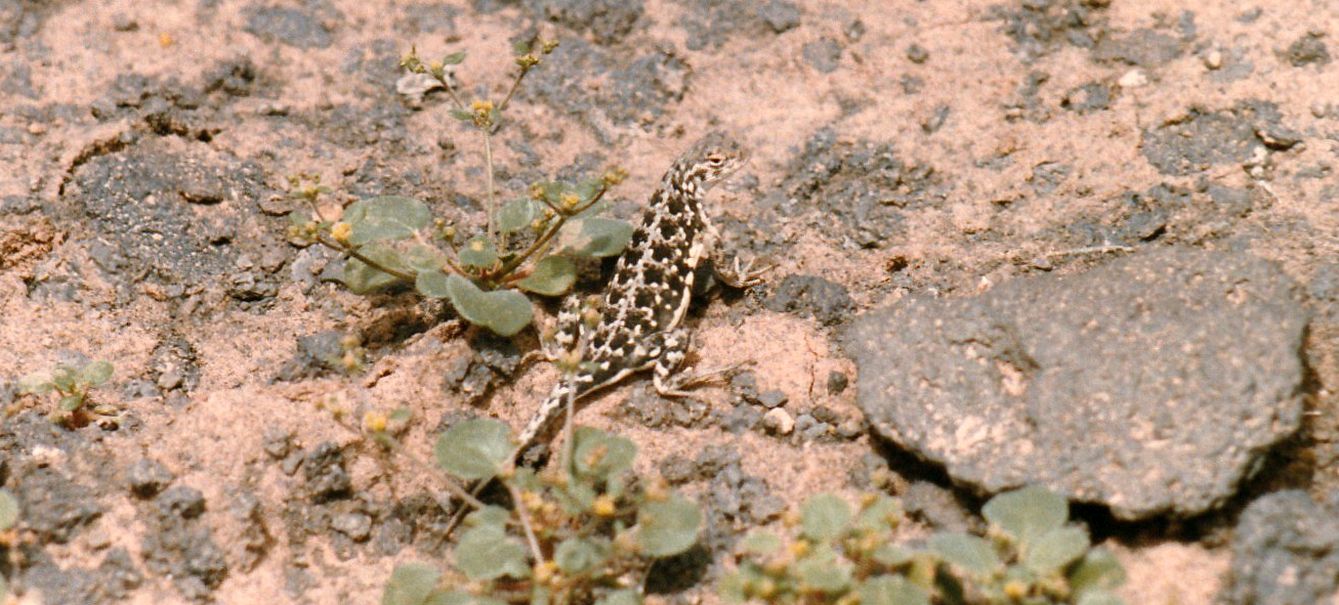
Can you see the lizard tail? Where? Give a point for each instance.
(548, 411)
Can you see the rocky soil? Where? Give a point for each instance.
(1084, 243)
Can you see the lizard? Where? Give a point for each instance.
(642, 311)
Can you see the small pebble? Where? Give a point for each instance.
(1133, 79)
(916, 54)
(356, 526)
(1214, 59)
(778, 422)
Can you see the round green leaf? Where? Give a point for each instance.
(488, 515)
(9, 510)
(600, 455)
(63, 378)
(883, 514)
(594, 236)
(891, 555)
(1027, 513)
(421, 257)
(70, 403)
(487, 553)
(410, 584)
(820, 571)
(516, 215)
(1055, 549)
(431, 284)
(454, 58)
(37, 383)
(389, 217)
(553, 275)
(760, 543)
(474, 449)
(95, 373)
(479, 251)
(668, 527)
(505, 312)
(969, 553)
(575, 555)
(362, 278)
(1096, 572)
(824, 517)
(892, 590)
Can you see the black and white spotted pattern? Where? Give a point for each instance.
(641, 322)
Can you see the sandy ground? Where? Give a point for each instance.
(1019, 132)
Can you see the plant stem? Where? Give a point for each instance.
(488, 164)
(409, 277)
(548, 235)
(524, 515)
(514, 86)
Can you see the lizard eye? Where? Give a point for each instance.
(716, 158)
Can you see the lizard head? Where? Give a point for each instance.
(714, 157)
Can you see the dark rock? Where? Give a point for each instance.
(780, 15)
(837, 382)
(811, 296)
(852, 192)
(254, 541)
(1308, 50)
(277, 442)
(236, 77)
(1205, 139)
(147, 477)
(295, 27)
(606, 20)
(917, 54)
(1065, 381)
(141, 201)
(493, 360)
(647, 408)
(634, 89)
(184, 550)
(317, 354)
(824, 55)
(938, 507)
(55, 508)
(1093, 96)
(773, 399)
(1142, 47)
(324, 470)
(181, 502)
(740, 419)
(173, 364)
(1038, 29)
(745, 386)
(1285, 552)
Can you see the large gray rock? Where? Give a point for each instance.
(1285, 552)
(1152, 384)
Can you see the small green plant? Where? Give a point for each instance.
(72, 384)
(528, 244)
(1029, 556)
(580, 533)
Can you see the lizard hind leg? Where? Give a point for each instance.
(566, 330)
(670, 378)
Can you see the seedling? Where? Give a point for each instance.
(72, 384)
(1030, 556)
(528, 244)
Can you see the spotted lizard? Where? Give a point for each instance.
(643, 308)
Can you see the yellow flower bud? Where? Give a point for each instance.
(374, 422)
(341, 232)
(604, 506)
(569, 200)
